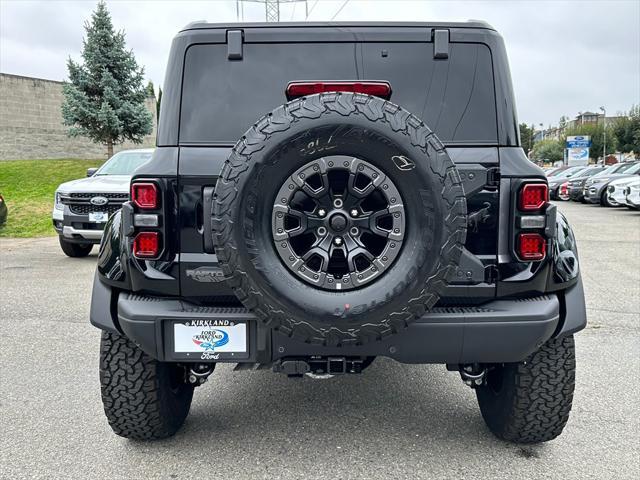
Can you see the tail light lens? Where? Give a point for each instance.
(301, 89)
(144, 195)
(146, 245)
(564, 188)
(531, 246)
(533, 196)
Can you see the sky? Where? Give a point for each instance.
(566, 56)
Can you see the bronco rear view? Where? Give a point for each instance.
(325, 194)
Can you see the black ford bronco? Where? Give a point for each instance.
(324, 194)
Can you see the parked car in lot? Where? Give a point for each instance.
(595, 188)
(576, 183)
(632, 194)
(557, 180)
(4, 211)
(616, 195)
(82, 207)
(553, 171)
(337, 226)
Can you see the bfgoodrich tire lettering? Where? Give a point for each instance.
(352, 125)
(143, 399)
(529, 402)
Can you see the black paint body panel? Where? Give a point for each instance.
(496, 308)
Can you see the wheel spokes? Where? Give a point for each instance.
(321, 189)
(320, 253)
(359, 252)
(339, 222)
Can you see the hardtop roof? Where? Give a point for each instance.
(203, 25)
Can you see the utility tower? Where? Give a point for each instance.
(271, 8)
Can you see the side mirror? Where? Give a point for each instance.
(91, 171)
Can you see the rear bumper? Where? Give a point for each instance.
(497, 331)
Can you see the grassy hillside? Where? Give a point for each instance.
(28, 187)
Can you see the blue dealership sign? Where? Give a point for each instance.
(577, 156)
(579, 141)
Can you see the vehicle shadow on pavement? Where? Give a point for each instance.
(390, 407)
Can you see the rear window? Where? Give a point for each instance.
(222, 98)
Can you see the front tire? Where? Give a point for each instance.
(74, 249)
(529, 402)
(605, 202)
(143, 398)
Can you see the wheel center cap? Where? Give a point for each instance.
(338, 222)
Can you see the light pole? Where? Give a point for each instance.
(604, 136)
(542, 130)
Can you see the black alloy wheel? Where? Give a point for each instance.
(338, 222)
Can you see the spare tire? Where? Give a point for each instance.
(338, 218)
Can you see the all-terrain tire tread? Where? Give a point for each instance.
(543, 394)
(135, 392)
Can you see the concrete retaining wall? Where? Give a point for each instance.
(31, 123)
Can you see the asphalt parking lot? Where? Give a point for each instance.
(394, 421)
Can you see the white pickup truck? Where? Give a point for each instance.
(82, 207)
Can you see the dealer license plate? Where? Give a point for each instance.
(210, 336)
(98, 217)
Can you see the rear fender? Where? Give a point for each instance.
(112, 262)
(564, 255)
(565, 276)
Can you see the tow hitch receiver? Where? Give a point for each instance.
(198, 373)
(296, 367)
(473, 375)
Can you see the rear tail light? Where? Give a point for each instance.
(301, 89)
(533, 214)
(145, 220)
(146, 245)
(147, 225)
(533, 196)
(531, 246)
(144, 195)
(564, 188)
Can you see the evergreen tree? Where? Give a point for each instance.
(105, 97)
(526, 137)
(151, 89)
